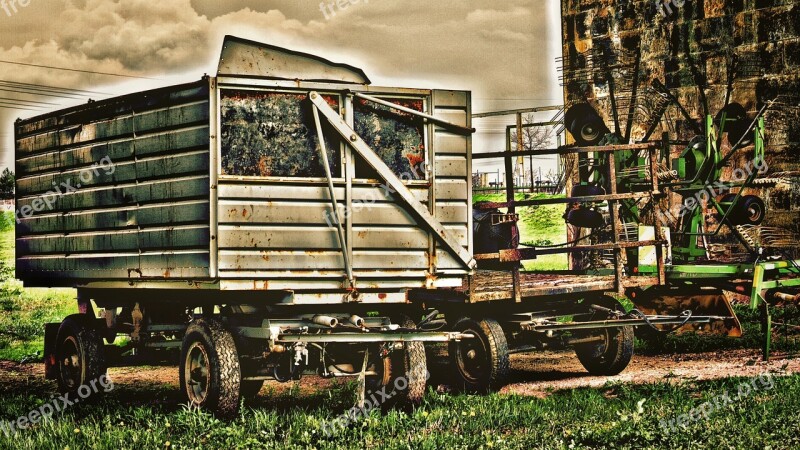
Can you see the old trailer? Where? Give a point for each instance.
(269, 222)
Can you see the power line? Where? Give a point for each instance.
(38, 93)
(76, 70)
(21, 100)
(54, 88)
(18, 107)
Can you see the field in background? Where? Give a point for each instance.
(538, 226)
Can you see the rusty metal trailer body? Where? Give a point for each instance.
(269, 222)
(162, 194)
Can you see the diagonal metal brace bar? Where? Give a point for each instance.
(454, 127)
(324, 153)
(392, 181)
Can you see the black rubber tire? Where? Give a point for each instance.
(585, 124)
(208, 341)
(750, 210)
(80, 357)
(587, 190)
(409, 364)
(481, 364)
(611, 356)
(585, 218)
(250, 389)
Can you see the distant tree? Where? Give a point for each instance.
(7, 184)
(533, 138)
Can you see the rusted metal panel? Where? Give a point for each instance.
(116, 189)
(120, 241)
(147, 192)
(259, 190)
(451, 99)
(450, 166)
(452, 188)
(450, 144)
(304, 261)
(173, 166)
(177, 116)
(172, 141)
(320, 238)
(241, 57)
(59, 270)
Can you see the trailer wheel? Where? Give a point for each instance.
(613, 352)
(409, 371)
(481, 363)
(610, 356)
(210, 374)
(79, 353)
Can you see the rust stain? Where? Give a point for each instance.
(263, 286)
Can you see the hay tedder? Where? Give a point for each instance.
(288, 218)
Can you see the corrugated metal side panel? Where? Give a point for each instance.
(280, 232)
(116, 189)
(453, 167)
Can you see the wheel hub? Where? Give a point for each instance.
(197, 373)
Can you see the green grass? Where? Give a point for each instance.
(615, 416)
(538, 226)
(24, 311)
(151, 415)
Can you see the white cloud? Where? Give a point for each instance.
(491, 48)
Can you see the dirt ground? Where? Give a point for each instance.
(532, 374)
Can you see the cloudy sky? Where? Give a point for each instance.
(503, 51)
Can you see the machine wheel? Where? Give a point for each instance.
(585, 218)
(79, 353)
(210, 374)
(409, 371)
(481, 363)
(613, 353)
(750, 210)
(585, 124)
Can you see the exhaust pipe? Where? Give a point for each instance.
(357, 321)
(325, 321)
